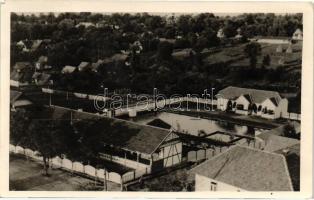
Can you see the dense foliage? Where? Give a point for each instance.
(71, 43)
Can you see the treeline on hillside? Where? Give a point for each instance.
(155, 66)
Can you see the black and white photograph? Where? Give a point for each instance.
(156, 101)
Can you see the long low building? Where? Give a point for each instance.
(264, 103)
(135, 146)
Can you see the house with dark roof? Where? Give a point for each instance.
(41, 78)
(264, 103)
(297, 35)
(183, 53)
(127, 143)
(68, 69)
(243, 169)
(41, 63)
(21, 74)
(17, 100)
(84, 66)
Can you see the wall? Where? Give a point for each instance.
(172, 154)
(203, 183)
(222, 103)
(68, 165)
(273, 41)
(126, 162)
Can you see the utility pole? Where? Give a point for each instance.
(105, 180)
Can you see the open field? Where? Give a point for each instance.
(27, 175)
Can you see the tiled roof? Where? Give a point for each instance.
(120, 133)
(68, 69)
(14, 95)
(257, 96)
(275, 142)
(83, 65)
(22, 65)
(248, 169)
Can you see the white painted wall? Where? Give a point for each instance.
(222, 103)
(273, 41)
(203, 183)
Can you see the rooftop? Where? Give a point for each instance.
(249, 169)
(120, 133)
(275, 142)
(257, 96)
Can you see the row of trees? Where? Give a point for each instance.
(55, 137)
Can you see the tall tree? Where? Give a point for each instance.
(48, 137)
(252, 50)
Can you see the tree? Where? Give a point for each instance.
(266, 60)
(165, 50)
(252, 50)
(19, 122)
(289, 131)
(48, 137)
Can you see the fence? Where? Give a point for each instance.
(293, 116)
(76, 94)
(72, 166)
(195, 156)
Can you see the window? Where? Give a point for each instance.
(240, 107)
(213, 186)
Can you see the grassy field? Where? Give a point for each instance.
(27, 175)
(236, 57)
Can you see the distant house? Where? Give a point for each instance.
(183, 53)
(271, 40)
(220, 34)
(85, 24)
(118, 57)
(18, 100)
(42, 63)
(137, 46)
(239, 34)
(172, 41)
(264, 103)
(96, 65)
(21, 44)
(84, 66)
(297, 35)
(41, 78)
(68, 69)
(243, 169)
(21, 74)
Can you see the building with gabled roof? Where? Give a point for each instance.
(127, 143)
(297, 35)
(264, 103)
(68, 69)
(220, 33)
(84, 66)
(243, 169)
(18, 100)
(21, 74)
(41, 78)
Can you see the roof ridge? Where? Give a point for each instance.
(115, 119)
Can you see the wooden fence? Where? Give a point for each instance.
(79, 168)
(293, 116)
(202, 154)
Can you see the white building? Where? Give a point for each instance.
(297, 35)
(68, 69)
(220, 33)
(267, 104)
(243, 169)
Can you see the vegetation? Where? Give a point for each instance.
(215, 63)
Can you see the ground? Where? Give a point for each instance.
(27, 175)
